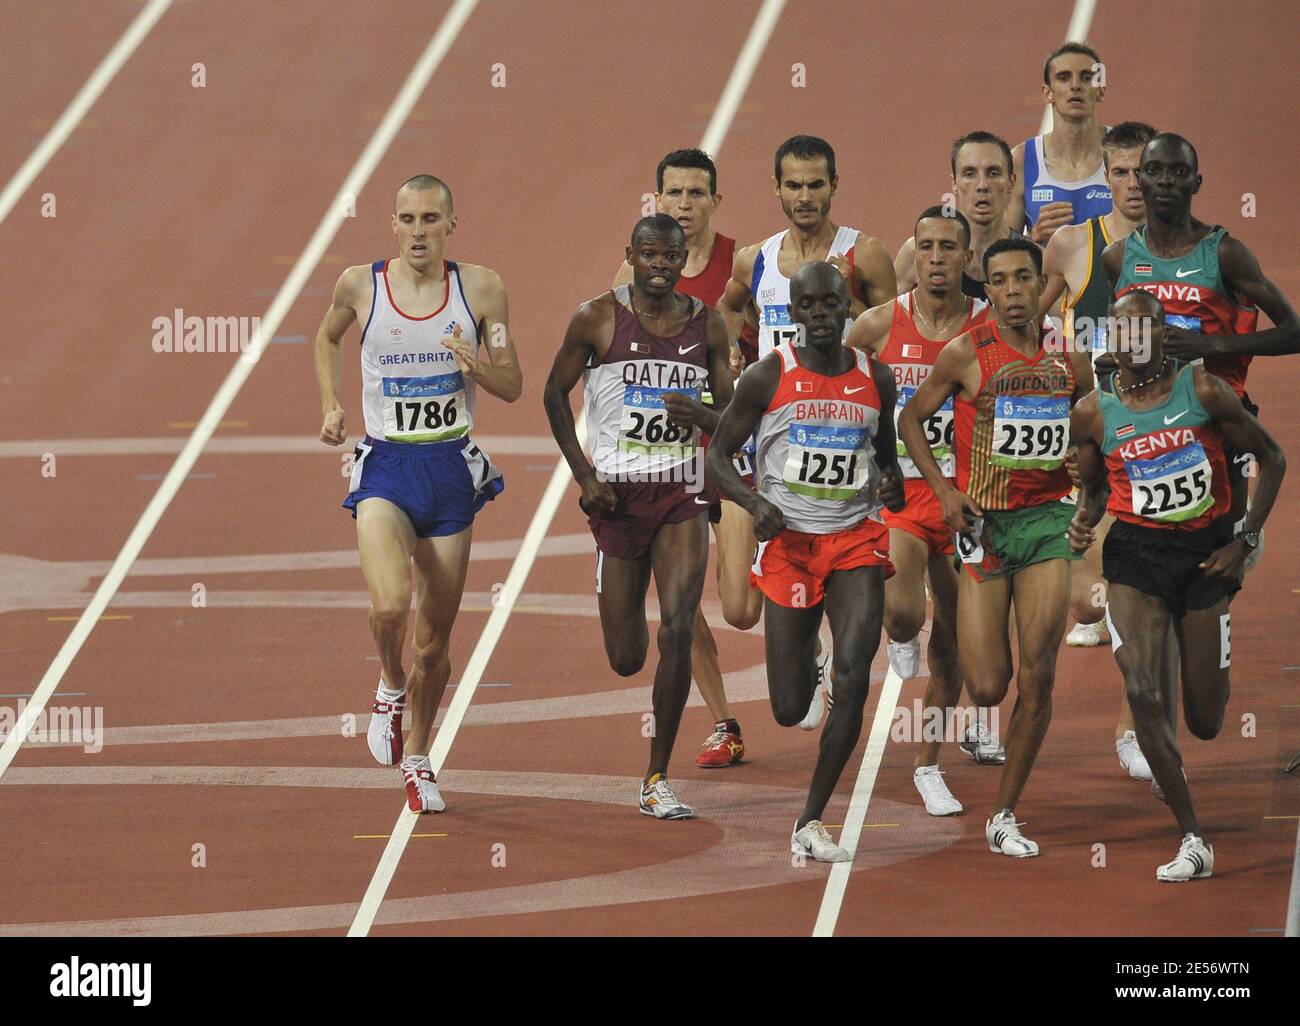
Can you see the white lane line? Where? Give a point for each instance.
(81, 103)
(858, 804)
(243, 367)
(1077, 32)
(716, 131)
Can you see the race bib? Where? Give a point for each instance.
(645, 427)
(777, 327)
(428, 409)
(968, 544)
(743, 464)
(938, 435)
(826, 462)
(1173, 486)
(1030, 432)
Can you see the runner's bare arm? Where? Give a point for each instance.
(592, 322)
(1243, 275)
(1014, 217)
(753, 394)
(876, 282)
(890, 489)
(329, 350)
(624, 276)
(956, 371)
(1085, 431)
(736, 299)
(1112, 262)
(905, 266)
(871, 330)
(1056, 258)
(1242, 432)
(500, 374)
(684, 409)
(1084, 381)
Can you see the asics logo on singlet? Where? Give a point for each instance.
(1170, 420)
(1098, 194)
(1180, 273)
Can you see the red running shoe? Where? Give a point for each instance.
(723, 748)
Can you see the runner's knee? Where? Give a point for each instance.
(389, 616)
(741, 613)
(1205, 724)
(625, 659)
(676, 631)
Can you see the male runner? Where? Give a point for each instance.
(805, 181)
(1012, 406)
(982, 183)
(687, 182)
(826, 460)
(1063, 179)
(908, 334)
(1072, 264)
(647, 352)
(1154, 437)
(418, 479)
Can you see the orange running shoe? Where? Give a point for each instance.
(723, 748)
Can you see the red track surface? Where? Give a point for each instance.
(170, 196)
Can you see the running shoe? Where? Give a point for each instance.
(982, 745)
(938, 799)
(814, 840)
(1004, 837)
(1131, 757)
(658, 800)
(1195, 861)
(1088, 635)
(723, 748)
(821, 698)
(905, 657)
(385, 731)
(422, 794)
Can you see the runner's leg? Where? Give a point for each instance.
(386, 541)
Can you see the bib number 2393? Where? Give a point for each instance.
(1029, 432)
(428, 409)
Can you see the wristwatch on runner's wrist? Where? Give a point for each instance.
(1251, 538)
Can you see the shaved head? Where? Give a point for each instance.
(817, 276)
(423, 183)
(658, 224)
(1139, 303)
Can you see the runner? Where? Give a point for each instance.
(826, 460)
(1009, 507)
(982, 183)
(418, 479)
(1154, 437)
(908, 334)
(647, 352)
(1072, 264)
(805, 181)
(1063, 180)
(687, 182)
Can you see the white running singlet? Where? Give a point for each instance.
(771, 289)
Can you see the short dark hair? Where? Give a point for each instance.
(1126, 135)
(946, 213)
(1014, 244)
(1061, 51)
(805, 147)
(692, 157)
(1175, 139)
(657, 224)
(981, 136)
(422, 182)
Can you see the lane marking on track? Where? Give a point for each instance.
(86, 97)
(329, 226)
(116, 616)
(838, 879)
(717, 129)
(382, 837)
(1077, 32)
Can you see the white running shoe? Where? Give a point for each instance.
(1088, 635)
(905, 657)
(385, 730)
(817, 707)
(814, 840)
(1131, 757)
(658, 800)
(1195, 861)
(983, 746)
(938, 799)
(1004, 837)
(422, 794)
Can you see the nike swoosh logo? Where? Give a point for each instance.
(702, 502)
(852, 391)
(1184, 274)
(683, 352)
(1170, 420)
